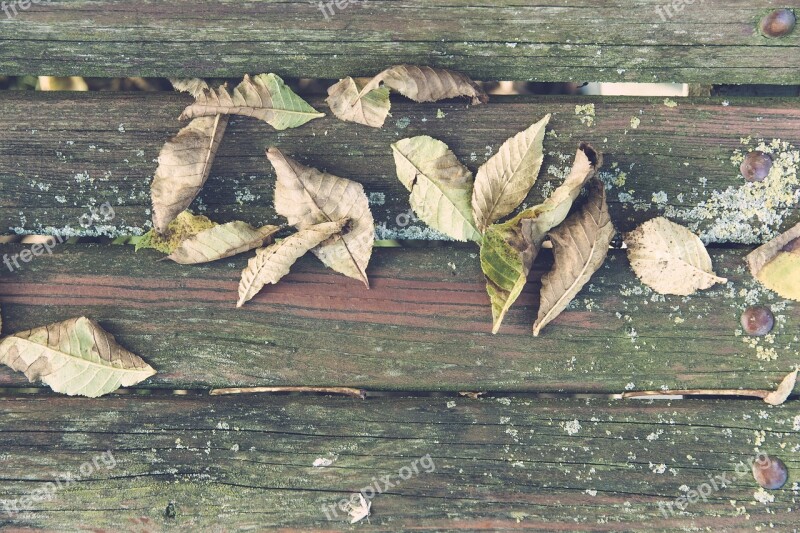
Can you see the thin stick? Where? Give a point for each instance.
(698, 392)
(346, 391)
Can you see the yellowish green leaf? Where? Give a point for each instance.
(76, 356)
(580, 246)
(219, 242)
(503, 182)
(440, 186)
(306, 196)
(669, 258)
(776, 264)
(272, 263)
(265, 97)
(370, 110)
(184, 226)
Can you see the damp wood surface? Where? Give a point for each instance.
(61, 153)
(424, 325)
(708, 42)
(495, 463)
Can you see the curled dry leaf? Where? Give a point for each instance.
(503, 182)
(219, 242)
(669, 258)
(193, 86)
(580, 246)
(440, 186)
(273, 262)
(358, 511)
(777, 264)
(783, 391)
(371, 109)
(184, 226)
(306, 196)
(264, 97)
(183, 167)
(368, 102)
(76, 356)
(509, 249)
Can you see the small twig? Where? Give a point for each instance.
(698, 392)
(346, 391)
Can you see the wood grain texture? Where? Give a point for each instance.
(584, 40)
(60, 153)
(424, 325)
(233, 464)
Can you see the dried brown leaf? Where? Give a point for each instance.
(580, 246)
(272, 263)
(669, 258)
(183, 168)
(783, 391)
(425, 84)
(307, 196)
(219, 242)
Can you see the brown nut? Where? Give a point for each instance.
(770, 472)
(756, 166)
(778, 23)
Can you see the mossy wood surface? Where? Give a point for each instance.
(236, 464)
(61, 153)
(585, 40)
(424, 325)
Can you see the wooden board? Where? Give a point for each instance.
(425, 324)
(219, 464)
(582, 40)
(62, 153)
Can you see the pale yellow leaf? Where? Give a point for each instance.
(76, 356)
(183, 167)
(425, 84)
(580, 246)
(370, 110)
(669, 258)
(776, 264)
(193, 86)
(509, 249)
(264, 97)
(306, 196)
(272, 263)
(219, 242)
(783, 391)
(440, 186)
(503, 182)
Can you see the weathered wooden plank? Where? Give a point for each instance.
(60, 153)
(424, 325)
(492, 464)
(625, 40)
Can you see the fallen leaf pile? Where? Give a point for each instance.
(444, 195)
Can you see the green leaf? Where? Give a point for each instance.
(76, 356)
(440, 186)
(265, 97)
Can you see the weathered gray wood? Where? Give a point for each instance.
(60, 153)
(424, 325)
(713, 41)
(234, 464)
